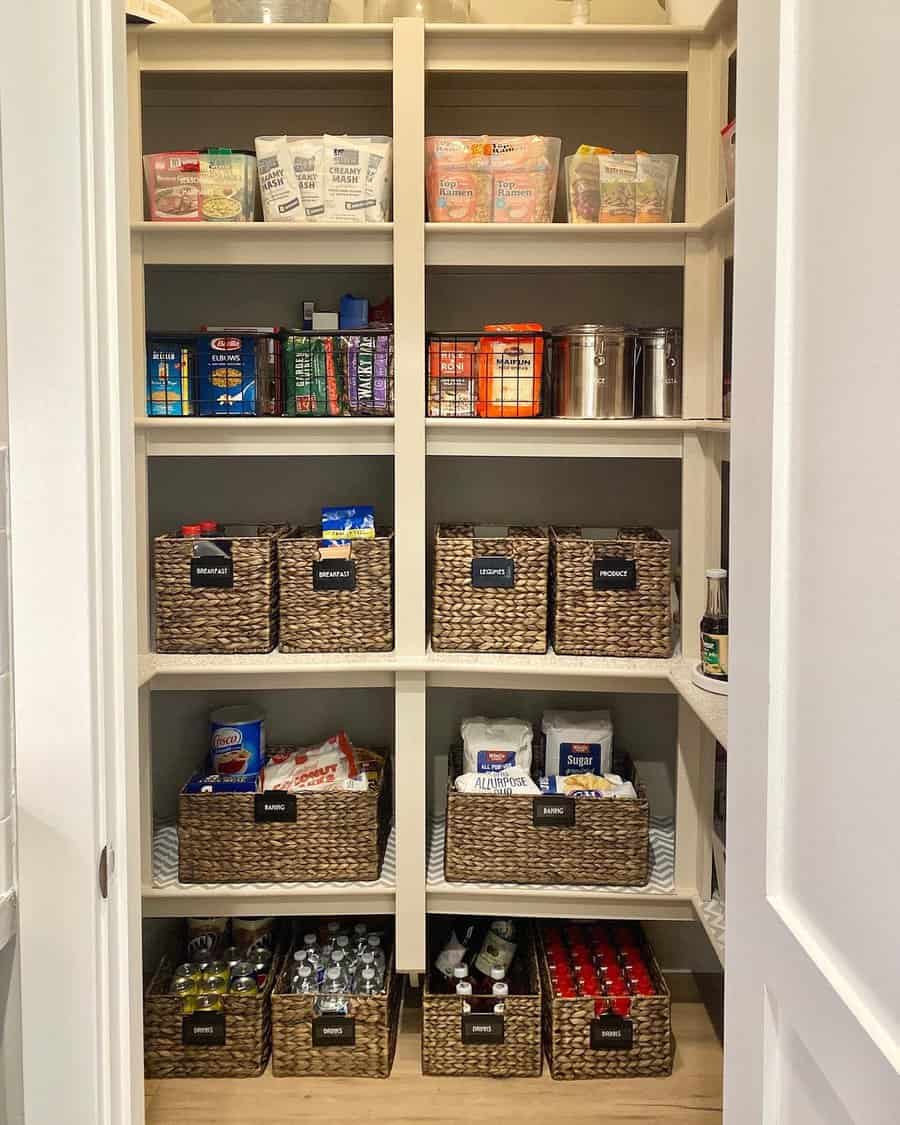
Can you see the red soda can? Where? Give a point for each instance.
(617, 988)
(566, 991)
(620, 1006)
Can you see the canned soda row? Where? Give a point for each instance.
(203, 982)
(605, 963)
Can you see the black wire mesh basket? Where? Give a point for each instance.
(495, 373)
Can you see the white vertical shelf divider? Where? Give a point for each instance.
(409, 487)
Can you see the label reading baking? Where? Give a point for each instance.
(482, 1028)
(612, 1033)
(203, 1029)
(333, 1031)
(334, 574)
(212, 573)
(615, 574)
(558, 812)
(275, 808)
(491, 573)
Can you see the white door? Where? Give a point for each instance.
(813, 988)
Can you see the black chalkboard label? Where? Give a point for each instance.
(203, 1029)
(275, 808)
(334, 574)
(493, 573)
(212, 572)
(615, 574)
(482, 1028)
(333, 1031)
(612, 1033)
(558, 812)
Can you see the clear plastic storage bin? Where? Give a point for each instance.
(271, 11)
(620, 187)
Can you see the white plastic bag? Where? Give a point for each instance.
(492, 745)
(279, 190)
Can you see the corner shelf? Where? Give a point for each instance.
(710, 914)
(165, 897)
(710, 709)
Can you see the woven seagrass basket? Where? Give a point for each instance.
(240, 618)
(611, 622)
(248, 1034)
(567, 1032)
(467, 618)
(492, 839)
(358, 620)
(376, 1020)
(518, 1056)
(338, 837)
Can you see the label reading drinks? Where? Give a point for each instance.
(333, 1031)
(556, 812)
(334, 574)
(203, 1029)
(612, 1033)
(212, 572)
(490, 573)
(275, 808)
(478, 1028)
(615, 574)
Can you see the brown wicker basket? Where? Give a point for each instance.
(337, 837)
(248, 1034)
(588, 621)
(567, 1032)
(357, 620)
(239, 618)
(518, 1056)
(470, 618)
(376, 1020)
(493, 839)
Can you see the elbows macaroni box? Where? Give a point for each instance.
(226, 374)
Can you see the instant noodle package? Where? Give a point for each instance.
(603, 186)
(491, 179)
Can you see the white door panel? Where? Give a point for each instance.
(813, 995)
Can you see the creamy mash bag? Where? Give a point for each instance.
(346, 174)
(492, 745)
(378, 180)
(308, 154)
(278, 185)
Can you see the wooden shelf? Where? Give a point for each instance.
(165, 897)
(556, 244)
(271, 670)
(658, 900)
(710, 914)
(557, 437)
(265, 244)
(267, 437)
(710, 709)
(562, 48)
(721, 221)
(267, 47)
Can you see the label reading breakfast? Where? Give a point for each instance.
(275, 808)
(333, 1031)
(493, 573)
(612, 1033)
(482, 1028)
(212, 572)
(203, 1029)
(615, 574)
(334, 574)
(557, 812)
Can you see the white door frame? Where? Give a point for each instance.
(783, 986)
(63, 110)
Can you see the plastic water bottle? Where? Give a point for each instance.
(464, 990)
(332, 1000)
(304, 981)
(360, 936)
(500, 992)
(339, 960)
(367, 961)
(368, 985)
(374, 943)
(310, 942)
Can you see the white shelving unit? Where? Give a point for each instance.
(200, 77)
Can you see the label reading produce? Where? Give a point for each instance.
(275, 808)
(333, 1031)
(482, 1028)
(612, 1033)
(493, 573)
(212, 573)
(203, 1029)
(334, 574)
(556, 812)
(615, 574)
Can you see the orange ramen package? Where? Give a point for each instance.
(510, 370)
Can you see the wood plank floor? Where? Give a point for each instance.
(693, 1094)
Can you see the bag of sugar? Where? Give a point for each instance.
(577, 742)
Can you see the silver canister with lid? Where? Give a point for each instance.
(659, 364)
(593, 371)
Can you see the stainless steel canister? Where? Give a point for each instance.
(593, 371)
(659, 364)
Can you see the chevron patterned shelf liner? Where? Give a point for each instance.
(714, 913)
(165, 868)
(662, 863)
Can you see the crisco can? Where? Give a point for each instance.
(237, 740)
(244, 985)
(208, 1002)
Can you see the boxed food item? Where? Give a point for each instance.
(173, 187)
(226, 374)
(510, 371)
(452, 389)
(170, 375)
(216, 185)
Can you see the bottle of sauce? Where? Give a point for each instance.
(714, 627)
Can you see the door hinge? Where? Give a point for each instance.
(104, 870)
